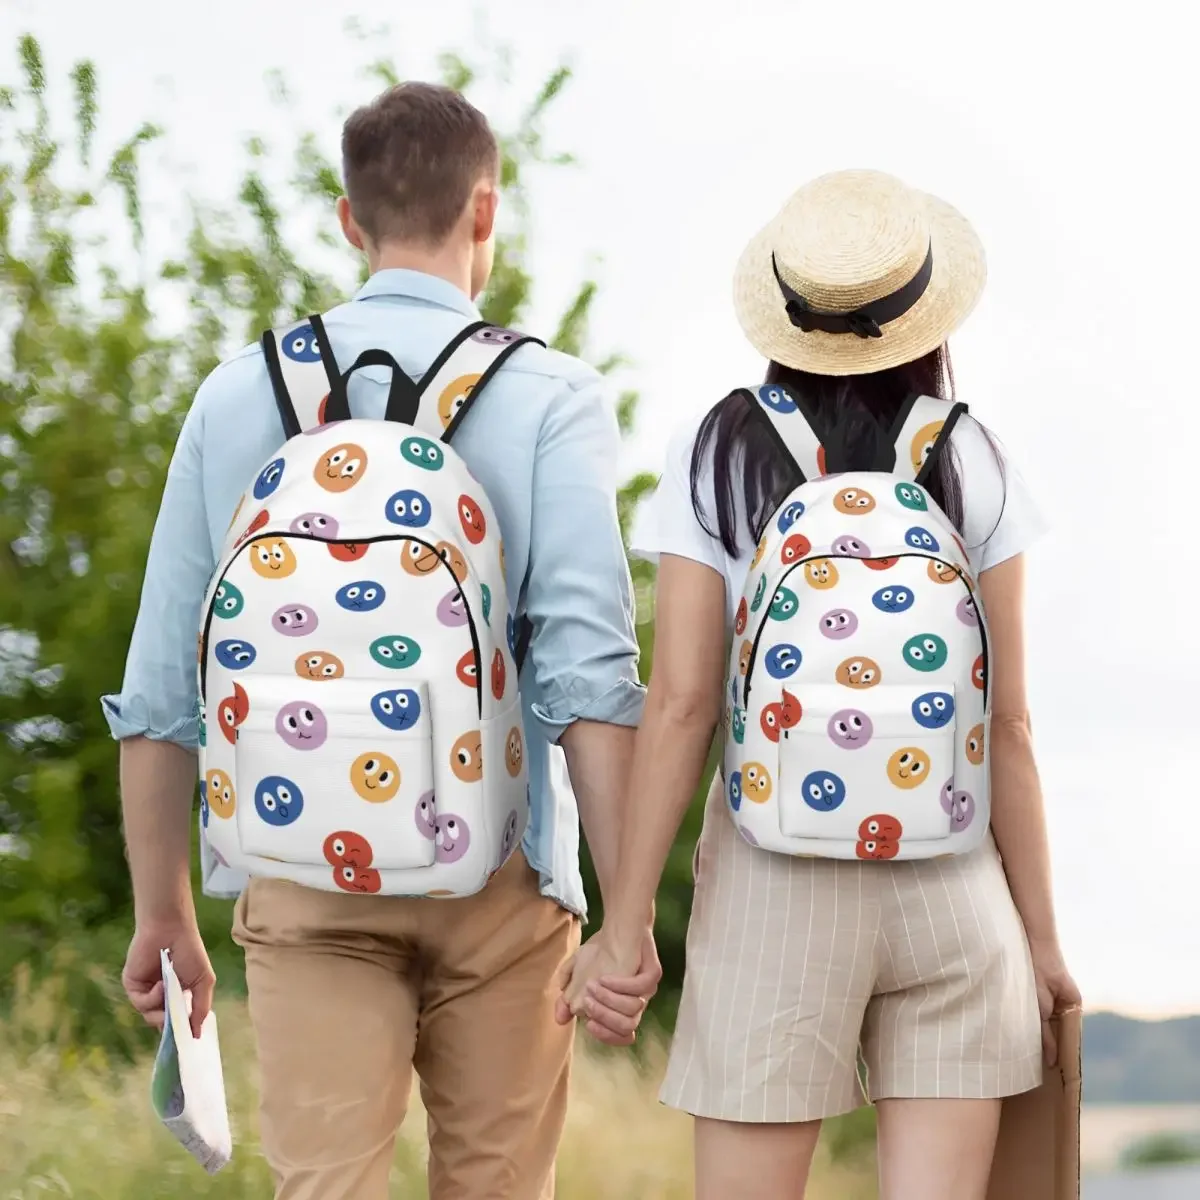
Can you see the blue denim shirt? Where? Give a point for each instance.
(542, 440)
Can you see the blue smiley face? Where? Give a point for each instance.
(510, 634)
(278, 800)
(738, 723)
(203, 801)
(408, 508)
(423, 453)
(301, 345)
(782, 661)
(783, 604)
(228, 601)
(235, 655)
(397, 710)
(776, 399)
(735, 790)
(926, 652)
(759, 593)
(922, 539)
(912, 497)
(268, 479)
(486, 593)
(823, 790)
(934, 710)
(364, 595)
(790, 515)
(893, 599)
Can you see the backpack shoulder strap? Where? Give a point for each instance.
(795, 427)
(458, 375)
(920, 433)
(309, 389)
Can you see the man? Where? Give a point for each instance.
(349, 993)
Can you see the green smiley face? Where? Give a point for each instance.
(912, 497)
(228, 601)
(395, 651)
(738, 723)
(783, 604)
(203, 731)
(759, 593)
(487, 602)
(926, 652)
(423, 453)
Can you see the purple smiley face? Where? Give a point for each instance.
(315, 524)
(294, 620)
(852, 547)
(850, 728)
(426, 816)
(747, 836)
(302, 725)
(508, 839)
(960, 806)
(839, 623)
(451, 837)
(452, 609)
(966, 611)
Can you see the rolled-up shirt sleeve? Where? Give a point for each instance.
(584, 651)
(159, 697)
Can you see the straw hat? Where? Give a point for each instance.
(857, 273)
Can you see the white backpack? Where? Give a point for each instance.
(360, 722)
(858, 683)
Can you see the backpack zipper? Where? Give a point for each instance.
(853, 558)
(308, 537)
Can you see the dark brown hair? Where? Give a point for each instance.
(410, 159)
(855, 410)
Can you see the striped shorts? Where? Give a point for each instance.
(812, 984)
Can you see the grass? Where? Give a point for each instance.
(74, 1124)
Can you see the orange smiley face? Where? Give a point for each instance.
(923, 442)
(466, 757)
(418, 559)
(908, 767)
(975, 746)
(941, 572)
(859, 673)
(341, 468)
(739, 621)
(452, 556)
(756, 783)
(219, 793)
(744, 657)
(375, 777)
(320, 664)
(854, 502)
(759, 552)
(514, 752)
(820, 574)
(272, 558)
(454, 396)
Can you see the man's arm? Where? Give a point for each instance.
(155, 717)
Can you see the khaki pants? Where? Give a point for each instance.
(349, 993)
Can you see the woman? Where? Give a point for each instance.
(942, 971)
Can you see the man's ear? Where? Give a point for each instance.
(486, 201)
(350, 228)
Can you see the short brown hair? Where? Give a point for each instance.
(410, 159)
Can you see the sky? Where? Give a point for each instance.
(1066, 136)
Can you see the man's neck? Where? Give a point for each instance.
(450, 263)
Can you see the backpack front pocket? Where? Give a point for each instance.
(872, 767)
(336, 772)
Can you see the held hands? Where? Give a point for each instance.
(1056, 990)
(609, 985)
(142, 977)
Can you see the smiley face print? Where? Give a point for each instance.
(395, 652)
(228, 601)
(268, 479)
(850, 729)
(783, 604)
(473, 522)
(514, 752)
(301, 725)
(759, 592)
(294, 620)
(893, 599)
(979, 674)
(820, 574)
(466, 757)
(966, 611)
(742, 616)
(747, 648)
(320, 665)
(922, 444)
(823, 790)
(452, 556)
(423, 453)
(397, 710)
(737, 724)
(315, 524)
(879, 837)
(789, 515)
(926, 652)
(759, 551)
(908, 767)
(838, 624)
(911, 497)
(851, 547)
(365, 880)
(734, 791)
(940, 572)
(776, 399)
(933, 710)
(418, 559)
(348, 551)
(467, 669)
(375, 777)
(348, 849)
(794, 548)
(783, 661)
(494, 335)
(259, 522)
(425, 815)
(219, 794)
(341, 468)
(974, 746)
(880, 564)
(756, 782)
(278, 800)
(409, 508)
(499, 675)
(234, 655)
(780, 715)
(960, 806)
(454, 396)
(921, 539)
(508, 839)
(860, 672)
(301, 345)
(272, 558)
(854, 502)
(232, 711)
(451, 838)
(452, 609)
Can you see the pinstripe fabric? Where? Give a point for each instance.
(796, 967)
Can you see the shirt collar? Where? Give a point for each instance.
(416, 285)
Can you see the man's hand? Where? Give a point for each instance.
(609, 988)
(142, 977)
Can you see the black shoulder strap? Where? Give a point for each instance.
(309, 390)
(796, 429)
(921, 431)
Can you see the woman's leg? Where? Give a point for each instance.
(740, 1161)
(936, 1149)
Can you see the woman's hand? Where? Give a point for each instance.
(1056, 990)
(609, 985)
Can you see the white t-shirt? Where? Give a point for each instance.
(1000, 517)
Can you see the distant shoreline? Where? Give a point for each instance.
(1107, 1130)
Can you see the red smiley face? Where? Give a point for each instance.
(259, 521)
(769, 719)
(357, 879)
(821, 459)
(790, 711)
(347, 849)
(468, 669)
(877, 850)
(882, 827)
(795, 548)
(232, 711)
(499, 674)
(880, 564)
(978, 674)
(739, 622)
(473, 523)
(348, 551)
